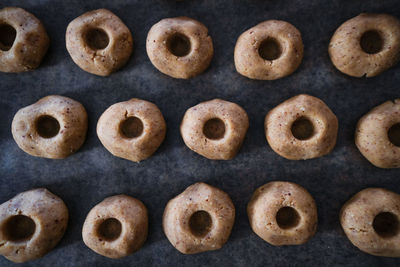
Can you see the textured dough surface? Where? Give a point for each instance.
(31, 42)
(348, 56)
(236, 124)
(50, 216)
(198, 197)
(138, 148)
(248, 61)
(72, 119)
(278, 123)
(185, 67)
(371, 135)
(357, 216)
(268, 199)
(130, 212)
(103, 61)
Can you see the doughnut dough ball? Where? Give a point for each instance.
(132, 130)
(270, 50)
(199, 219)
(283, 213)
(302, 127)
(116, 227)
(31, 224)
(23, 40)
(179, 47)
(370, 220)
(215, 129)
(378, 135)
(99, 42)
(54, 127)
(366, 45)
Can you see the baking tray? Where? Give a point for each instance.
(87, 177)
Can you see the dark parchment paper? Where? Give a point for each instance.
(92, 174)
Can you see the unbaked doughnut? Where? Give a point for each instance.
(302, 127)
(270, 50)
(54, 127)
(23, 40)
(378, 135)
(283, 213)
(179, 47)
(31, 224)
(370, 220)
(215, 129)
(99, 42)
(132, 130)
(199, 219)
(116, 227)
(366, 45)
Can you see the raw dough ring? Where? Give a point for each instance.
(283, 213)
(270, 50)
(378, 135)
(366, 45)
(132, 130)
(302, 127)
(99, 42)
(215, 129)
(116, 227)
(54, 127)
(23, 40)
(199, 219)
(370, 219)
(31, 224)
(179, 47)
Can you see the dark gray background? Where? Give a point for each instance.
(87, 177)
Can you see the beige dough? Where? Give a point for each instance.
(366, 45)
(179, 47)
(302, 127)
(99, 42)
(132, 130)
(199, 219)
(31, 224)
(54, 127)
(215, 129)
(283, 213)
(378, 135)
(370, 220)
(116, 227)
(270, 50)
(23, 40)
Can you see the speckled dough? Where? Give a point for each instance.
(142, 134)
(193, 61)
(31, 42)
(31, 224)
(349, 57)
(283, 213)
(100, 58)
(372, 135)
(288, 55)
(279, 123)
(103, 234)
(370, 220)
(199, 219)
(54, 127)
(215, 129)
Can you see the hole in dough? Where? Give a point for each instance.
(179, 45)
(270, 49)
(214, 129)
(200, 223)
(47, 126)
(287, 217)
(97, 39)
